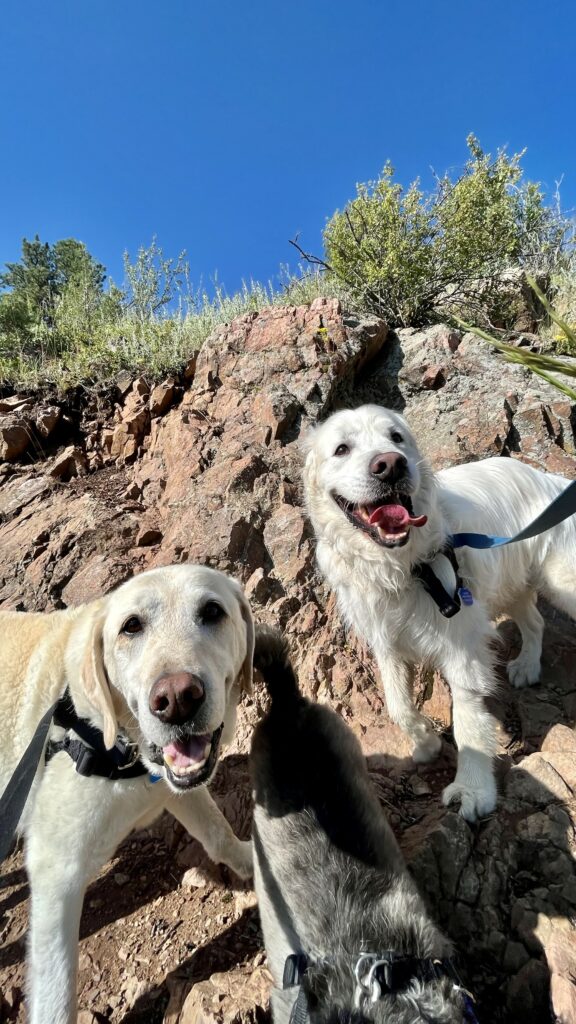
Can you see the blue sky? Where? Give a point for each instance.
(224, 128)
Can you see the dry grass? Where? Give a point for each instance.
(88, 345)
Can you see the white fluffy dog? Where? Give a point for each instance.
(380, 513)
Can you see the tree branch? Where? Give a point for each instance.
(316, 261)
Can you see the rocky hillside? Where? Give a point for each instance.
(206, 467)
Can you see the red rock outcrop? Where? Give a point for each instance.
(207, 467)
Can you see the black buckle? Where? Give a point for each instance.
(84, 760)
(446, 604)
(295, 967)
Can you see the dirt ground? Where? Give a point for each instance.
(215, 479)
(148, 920)
(160, 917)
(151, 922)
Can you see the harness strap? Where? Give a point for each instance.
(15, 795)
(447, 605)
(89, 752)
(121, 762)
(377, 975)
(67, 717)
(295, 967)
(560, 509)
(300, 1013)
(86, 749)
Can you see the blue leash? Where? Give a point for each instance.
(560, 509)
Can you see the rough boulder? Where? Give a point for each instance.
(207, 467)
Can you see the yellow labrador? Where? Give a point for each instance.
(160, 661)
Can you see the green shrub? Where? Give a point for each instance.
(415, 258)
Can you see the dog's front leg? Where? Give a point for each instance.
(204, 820)
(76, 825)
(397, 679)
(56, 897)
(475, 734)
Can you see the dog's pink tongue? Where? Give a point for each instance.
(187, 752)
(395, 518)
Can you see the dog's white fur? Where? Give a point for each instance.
(73, 824)
(390, 609)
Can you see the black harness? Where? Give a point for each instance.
(377, 975)
(447, 604)
(87, 748)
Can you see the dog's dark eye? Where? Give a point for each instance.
(396, 437)
(132, 625)
(212, 612)
(342, 449)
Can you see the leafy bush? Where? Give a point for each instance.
(414, 258)
(410, 256)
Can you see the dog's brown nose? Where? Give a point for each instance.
(175, 699)
(390, 466)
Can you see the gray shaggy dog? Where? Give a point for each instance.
(330, 879)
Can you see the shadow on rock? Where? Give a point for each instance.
(503, 890)
(529, 713)
(378, 382)
(211, 973)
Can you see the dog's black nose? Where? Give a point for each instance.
(390, 466)
(175, 699)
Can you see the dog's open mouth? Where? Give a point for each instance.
(189, 761)
(387, 521)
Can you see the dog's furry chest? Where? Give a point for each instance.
(408, 623)
(404, 623)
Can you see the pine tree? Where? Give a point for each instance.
(45, 271)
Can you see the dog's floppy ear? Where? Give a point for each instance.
(245, 675)
(95, 680)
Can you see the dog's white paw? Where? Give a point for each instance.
(524, 671)
(475, 801)
(427, 748)
(240, 859)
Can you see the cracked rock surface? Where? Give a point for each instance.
(206, 467)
